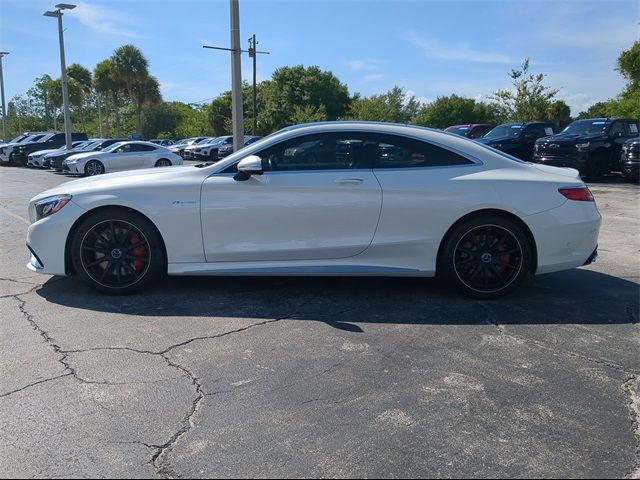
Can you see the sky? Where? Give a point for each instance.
(430, 48)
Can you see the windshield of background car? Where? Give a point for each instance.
(113, 147)
(18, 139)
(464, 131)
(89, 146)
(508, 130)
(588, 127)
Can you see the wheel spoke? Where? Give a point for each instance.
(96, 249)
(497, 273)
(97, 262)
(106, 270)
(137, 259)
(139, 244)
(125, 236)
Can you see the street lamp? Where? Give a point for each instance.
(65, 93)
(4, 107)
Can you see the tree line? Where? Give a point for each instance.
(120, 97)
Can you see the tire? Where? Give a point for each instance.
(213, 156)
(133, 252)
(93, 167)
(163, 162)
(486, 256)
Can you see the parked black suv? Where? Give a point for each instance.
(517, 139)
(19, 155)
(590, 146)
(630, 160)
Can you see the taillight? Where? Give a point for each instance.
(580, 194)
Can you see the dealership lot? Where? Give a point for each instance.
(340, 377)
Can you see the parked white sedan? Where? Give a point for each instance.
(337, 198)
(120, 156)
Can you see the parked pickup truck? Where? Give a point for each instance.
(21, 152)
(591, 146)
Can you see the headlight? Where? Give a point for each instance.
(47, 206)
(583, 146)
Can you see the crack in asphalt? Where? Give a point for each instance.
(631, 387)
(502, 329)
(158, 460)
(34, 384)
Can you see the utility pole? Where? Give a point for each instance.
(236, 79)
(253, 54)
(4, 107)
(65, 92)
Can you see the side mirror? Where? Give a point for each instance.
(251, 165)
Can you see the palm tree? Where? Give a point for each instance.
(106, 83)
(146, 92)
(131, 69)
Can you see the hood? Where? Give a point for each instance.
(489, 141)
(78, 156)
(40, 153)
(570, 138)
(111, 182)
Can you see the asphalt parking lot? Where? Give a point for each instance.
(331, 377)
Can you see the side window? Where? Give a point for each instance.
(617, 129)
(534, 132)
(401, 152)
(327, 151)
(126, 148)
(632, 129)
(144, 148)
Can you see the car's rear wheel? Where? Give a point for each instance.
(163, 162)
(93, 167)
(213, 156)
(486, 256)
(117, 252)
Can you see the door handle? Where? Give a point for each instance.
(349, 181)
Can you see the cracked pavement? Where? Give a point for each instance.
(321, 377)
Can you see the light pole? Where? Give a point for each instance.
(4, 107)
(65, 93)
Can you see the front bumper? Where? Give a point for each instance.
(47, 238)
(630, 168)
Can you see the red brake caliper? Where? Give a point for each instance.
(504, 258)
(139, 252)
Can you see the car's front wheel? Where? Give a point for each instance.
(163, 162)
(93, 167)
(486, 256)
(117, 252)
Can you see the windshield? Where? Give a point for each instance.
(113, 147)
(509, 130)
(588, 127)
(464, 131)
(89, 146)
(18, 139)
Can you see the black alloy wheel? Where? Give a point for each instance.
(117, 252)
(487, 257)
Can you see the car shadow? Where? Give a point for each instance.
(578, 296)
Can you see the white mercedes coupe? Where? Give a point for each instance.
(130, 155)
(335, 198)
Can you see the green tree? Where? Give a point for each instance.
(559, 113)
(393, 106)
(629, 66)
(131, 69)
(529, 98)
(455, 110)
(108, 85)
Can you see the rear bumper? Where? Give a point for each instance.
(567, 236)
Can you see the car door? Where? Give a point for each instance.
(425, 187)
(617, 136)
(124, 157)
(309, 204)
